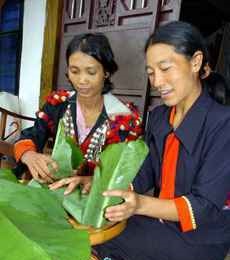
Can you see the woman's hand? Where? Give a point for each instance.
(72, 183)
(40, 166)
(123, 210)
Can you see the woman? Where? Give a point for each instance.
(188, 164)
(92, 116)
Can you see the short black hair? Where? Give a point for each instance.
(96, 45)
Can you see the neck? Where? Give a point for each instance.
(92, 103)
(183, 107)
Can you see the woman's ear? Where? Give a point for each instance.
(196, 61)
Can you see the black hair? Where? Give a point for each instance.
(187, 39)
(96, 45)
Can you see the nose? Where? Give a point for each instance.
(157, 80)
(82, 78)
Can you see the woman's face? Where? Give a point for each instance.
(173, 75)
(86, 74)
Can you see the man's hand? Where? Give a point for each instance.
(123, 210)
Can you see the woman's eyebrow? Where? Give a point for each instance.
(88, 67)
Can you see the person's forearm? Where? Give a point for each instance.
(156, 208)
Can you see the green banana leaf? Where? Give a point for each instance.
(7, 174)
(119, 163)
(74, 203)
(116, 173)
(39, 222)
(66, 153)
(15, 245)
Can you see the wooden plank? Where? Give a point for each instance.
(51, 45)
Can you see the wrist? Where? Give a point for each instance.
(25, 155)
(140, 204)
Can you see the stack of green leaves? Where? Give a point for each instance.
(34, 225)
(117, 167)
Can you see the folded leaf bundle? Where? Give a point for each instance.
(66, 153)
(119, 163)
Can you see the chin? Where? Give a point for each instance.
(170, 103)
(85, 95)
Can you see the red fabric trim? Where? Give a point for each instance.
(23, 146)
(184, 214)
(168, 173)
(169, 165)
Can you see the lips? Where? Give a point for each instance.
(83, 90)
(166, 92)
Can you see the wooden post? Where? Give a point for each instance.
(50, 48)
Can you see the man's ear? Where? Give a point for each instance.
(207, 71)
(106, 75)
(196, 61)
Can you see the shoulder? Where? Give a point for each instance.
(123, 118)
(56, 102)
(218, 116)
(58, 97)
(215, 129)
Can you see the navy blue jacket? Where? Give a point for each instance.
(203, 168)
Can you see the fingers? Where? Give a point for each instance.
(117, 193)
(34, 173)
(38, 165)
(37, 173)
(52, 165)
(75, 181)
(117, 213)
(71, 187)
(124, 210)
(48, 166)
(86, 188)
(44, 172)
(58, 184)
(72, 183)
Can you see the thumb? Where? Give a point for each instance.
(86, 188)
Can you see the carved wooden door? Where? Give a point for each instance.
(127, 24)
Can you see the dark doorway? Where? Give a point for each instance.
(212, 17)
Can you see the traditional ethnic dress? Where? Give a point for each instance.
(190, 165)
(116, 123)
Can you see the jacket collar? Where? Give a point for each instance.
(190, 128)
(114, 106)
